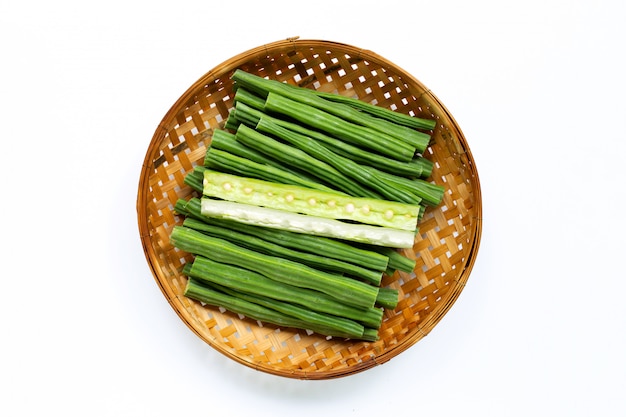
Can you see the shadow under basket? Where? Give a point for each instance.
(445, 248)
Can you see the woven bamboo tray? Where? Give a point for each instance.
(445, 248)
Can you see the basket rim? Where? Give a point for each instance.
(230, 64)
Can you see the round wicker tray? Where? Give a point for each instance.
(445, 248)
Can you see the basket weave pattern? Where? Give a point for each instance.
(444, 249)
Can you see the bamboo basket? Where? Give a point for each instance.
(445, 248)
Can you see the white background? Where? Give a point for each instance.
(538, 89)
